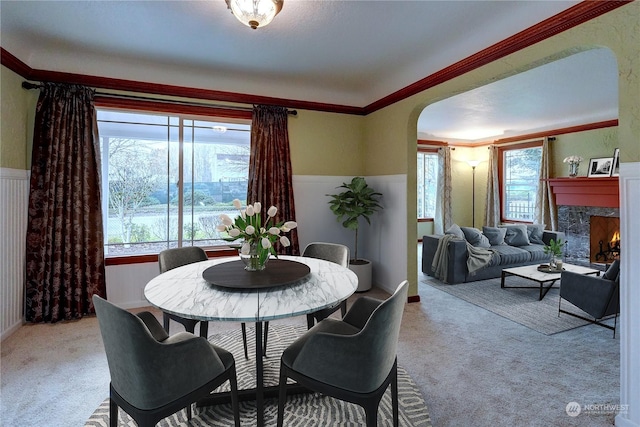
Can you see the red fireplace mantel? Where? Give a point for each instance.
(599, 192)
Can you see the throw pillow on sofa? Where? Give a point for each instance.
(495, 235)
(535, 232)
(516, 235)
(455, 230)
(475, 237)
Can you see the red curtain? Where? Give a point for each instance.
(270, 176)
(65, 253)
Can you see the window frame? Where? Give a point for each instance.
(195, 111)
(501, 174)
(431, 150)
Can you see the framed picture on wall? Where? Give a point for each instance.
(600, 167)
(615, 170)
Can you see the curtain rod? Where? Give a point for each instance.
(28, 85)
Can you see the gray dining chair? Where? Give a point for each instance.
(332, 252)
(177, 257)
(154, 375)
(353, 359)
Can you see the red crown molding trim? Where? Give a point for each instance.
(575, 15)
(553, 132)
(14, 64)
(19, 67)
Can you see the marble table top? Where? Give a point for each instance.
(531, 272)
(183, 291)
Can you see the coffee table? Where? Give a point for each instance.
(532, 273)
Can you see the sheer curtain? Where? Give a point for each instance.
(492, 209)
(270, 176)
(442, 220)
(64, 242)
(546, 212)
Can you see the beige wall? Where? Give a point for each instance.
(588, 145)
(14, 113)
(326, 144)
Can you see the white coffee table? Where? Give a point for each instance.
(531, 272)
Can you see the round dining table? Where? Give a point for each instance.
(236, 295)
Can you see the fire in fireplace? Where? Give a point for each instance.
(604, 237)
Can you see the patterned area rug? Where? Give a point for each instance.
(519, 305)
(300, 410)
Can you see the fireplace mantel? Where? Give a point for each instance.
(598, 192)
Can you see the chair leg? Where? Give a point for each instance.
(204, 329)
(282, 395)
(266, 333)
(310, 321)
(188, 408)
(371, 413)
(394, 395)
(165, 322)
(233, 382)
(244, 340)
(113, 413)
(343, 308)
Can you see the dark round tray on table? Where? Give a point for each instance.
(278, 272)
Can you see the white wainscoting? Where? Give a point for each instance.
(14, 200)
(629, 295)
(384, 242)
(125, 283)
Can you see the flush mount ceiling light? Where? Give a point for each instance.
(255, 13)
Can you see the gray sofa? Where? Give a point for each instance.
(510, 249)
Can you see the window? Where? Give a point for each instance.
(427, 183)
(520, 171)
(167, 178)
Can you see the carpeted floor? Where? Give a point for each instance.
(301, 410)
(521, 305)
(473, 368)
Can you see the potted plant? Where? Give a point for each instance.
(554, 250)
(357, 201)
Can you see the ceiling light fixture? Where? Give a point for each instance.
(255, 13)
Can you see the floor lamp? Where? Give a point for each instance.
(473, 164)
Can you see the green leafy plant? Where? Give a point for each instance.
(554, 247)
(357, 201)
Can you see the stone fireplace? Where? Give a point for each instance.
(577, 223)
(589, 215)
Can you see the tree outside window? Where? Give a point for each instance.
(167, 178)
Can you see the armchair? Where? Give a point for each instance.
(353, 359)
(154, 375)
(597, 296)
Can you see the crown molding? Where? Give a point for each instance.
(575, 15)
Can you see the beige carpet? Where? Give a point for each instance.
(519, 305)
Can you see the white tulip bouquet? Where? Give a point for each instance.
(259, 237)
(573, 159)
